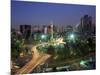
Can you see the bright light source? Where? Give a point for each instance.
(43, 36)
(82, 62)
(59, 41)
(72, 36)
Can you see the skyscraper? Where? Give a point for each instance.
(25, 30)
(85, 24)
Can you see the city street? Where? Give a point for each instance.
(40, 58)
(36, 60)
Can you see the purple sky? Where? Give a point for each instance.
(43, 13)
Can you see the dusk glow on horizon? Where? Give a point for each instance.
(39, 13)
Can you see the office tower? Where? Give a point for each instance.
(25, 30)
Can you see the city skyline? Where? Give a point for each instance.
(38, 13)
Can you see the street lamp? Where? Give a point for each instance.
(72, 36)
(43, 36)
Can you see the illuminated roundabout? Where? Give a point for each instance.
(50, 46)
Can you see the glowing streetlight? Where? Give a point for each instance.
(43, 36)
(72, 36)
(83, 63)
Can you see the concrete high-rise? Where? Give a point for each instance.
(25, 30)
(85, 24)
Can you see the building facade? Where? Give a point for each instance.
(85, 24)
(25, 31)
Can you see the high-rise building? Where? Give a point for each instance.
(48, 29)
(85, 24)
(25, 30)
(52, 30)
(44, 29)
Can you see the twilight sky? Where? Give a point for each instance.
(43, 13)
